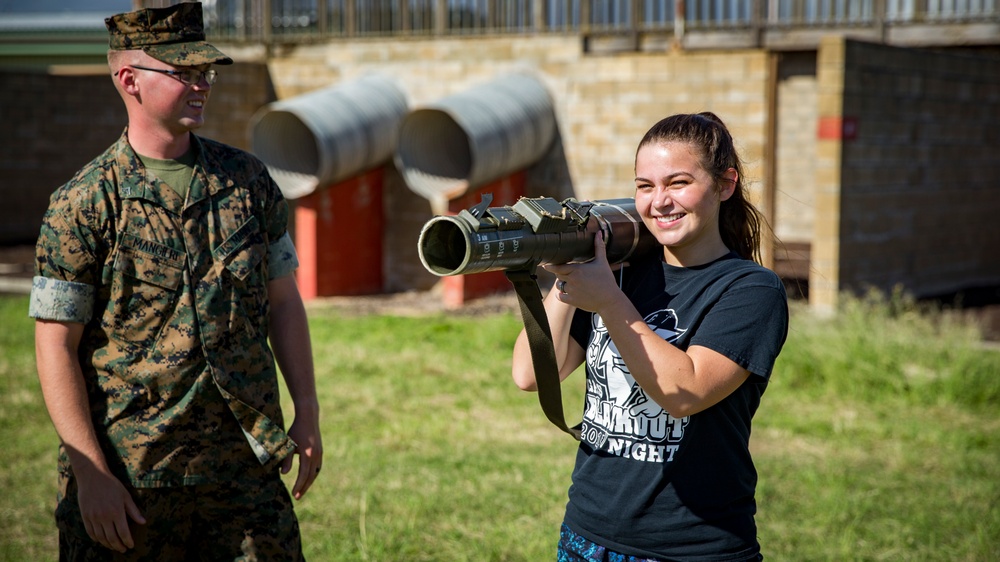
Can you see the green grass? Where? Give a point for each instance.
(878, 439)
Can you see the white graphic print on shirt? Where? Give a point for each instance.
(619, 417)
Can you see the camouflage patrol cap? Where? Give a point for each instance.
(174, 35)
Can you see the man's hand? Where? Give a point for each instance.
(310, 452)
(289, 330)
(105, 503)
(106, 507)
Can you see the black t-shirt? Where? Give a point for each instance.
(648, 484)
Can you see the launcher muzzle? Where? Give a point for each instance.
(533, 231)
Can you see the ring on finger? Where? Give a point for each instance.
(561, 285)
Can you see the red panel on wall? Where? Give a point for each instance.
(834, 128)
(338, 236)
(460, 288)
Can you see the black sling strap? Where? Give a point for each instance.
(543, 353)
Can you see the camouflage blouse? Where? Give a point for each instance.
(173, 295)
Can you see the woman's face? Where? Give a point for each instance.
(679, 202)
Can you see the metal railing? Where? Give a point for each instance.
(270, 21)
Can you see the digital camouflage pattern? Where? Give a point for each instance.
(61, 300)
(174, 35)
(252, 521)
(182, 383)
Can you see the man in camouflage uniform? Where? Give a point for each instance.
(163, 270)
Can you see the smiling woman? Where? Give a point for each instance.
(698, 149)
(679, 201)
(678, 347)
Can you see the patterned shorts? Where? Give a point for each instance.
(574, 548)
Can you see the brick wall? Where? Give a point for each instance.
(795, 147)
(907, 168)
(903, 194)
(604, 104)
(56, 123)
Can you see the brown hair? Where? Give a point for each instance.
(739, 220)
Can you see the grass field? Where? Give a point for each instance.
(878, 439)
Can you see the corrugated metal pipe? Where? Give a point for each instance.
(469, 139)
(329, 135)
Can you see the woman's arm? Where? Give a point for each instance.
(569, 354)
(682, 383)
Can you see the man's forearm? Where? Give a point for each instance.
(290, 341)
(65, 394)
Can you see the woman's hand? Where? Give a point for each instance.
(589, 286)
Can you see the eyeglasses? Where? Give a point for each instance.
(189, 76)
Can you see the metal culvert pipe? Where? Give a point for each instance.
(330, 134)
(474, 137)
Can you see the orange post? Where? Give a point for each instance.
(338, 237)
(461, 288)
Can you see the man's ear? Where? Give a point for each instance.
(126, 79)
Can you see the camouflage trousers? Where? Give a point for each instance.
(226, 521)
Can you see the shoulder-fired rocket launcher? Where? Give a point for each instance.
(533, 231)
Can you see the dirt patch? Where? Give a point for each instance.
(416, 303)
(16, 270)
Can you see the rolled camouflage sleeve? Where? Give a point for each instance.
(282, 258)
(63, 301)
